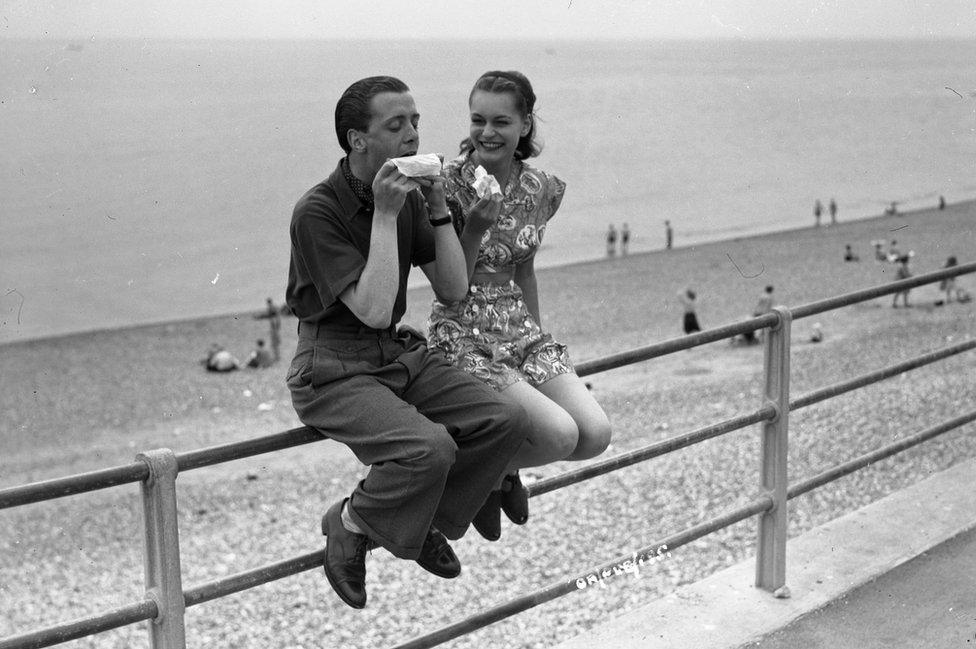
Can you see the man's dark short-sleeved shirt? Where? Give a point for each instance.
(330, 233)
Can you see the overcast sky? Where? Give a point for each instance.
(497, 18)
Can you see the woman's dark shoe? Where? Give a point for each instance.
(515, 499)
(488, 520)
(345, 558)
(436, 556)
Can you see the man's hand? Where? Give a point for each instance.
(390, 189)
(432, 187)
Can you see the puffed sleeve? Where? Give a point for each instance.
(555, 190)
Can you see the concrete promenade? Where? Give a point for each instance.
(929, 601)
(900, 572)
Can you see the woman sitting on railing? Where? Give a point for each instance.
(494, 332)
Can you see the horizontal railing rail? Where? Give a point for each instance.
(82, 627)
(770, 415)
(863, 380)
(877, 455)
(656, 449)
(72, 485)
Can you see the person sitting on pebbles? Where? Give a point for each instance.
(220, 360)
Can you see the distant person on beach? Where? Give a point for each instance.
(611, 241)
(668, 235)
(849, 254)
(273, 315)
(763, 306)
(892, 210)
(942, 203)
(260, 358)
(220, 360)
(765, 303)
(495, 331)
(435, 438)
(816, 333)
(903, 272)
(833, 211)
(624, 238)
(893, 255)
(689, 303)
(879, 253)
(948, 285)
(817, 211)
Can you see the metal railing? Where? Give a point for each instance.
(166, 599)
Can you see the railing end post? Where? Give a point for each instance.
(164, 581)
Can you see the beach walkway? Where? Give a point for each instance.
(900, 572)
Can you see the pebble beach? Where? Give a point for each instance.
(89, 401)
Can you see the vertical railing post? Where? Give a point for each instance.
(771, 550)
(164, 582)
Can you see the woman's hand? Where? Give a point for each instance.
(484, 212)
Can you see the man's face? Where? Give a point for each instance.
(392, 129)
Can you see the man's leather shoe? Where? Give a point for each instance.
(436, 556)
(515, 499)
(345, 558)
(488, 520)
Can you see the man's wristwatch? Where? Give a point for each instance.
(444, 220)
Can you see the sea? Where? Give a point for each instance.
(145, 181)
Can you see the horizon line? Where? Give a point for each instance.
(76, 38)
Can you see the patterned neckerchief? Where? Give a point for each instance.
(361, 190)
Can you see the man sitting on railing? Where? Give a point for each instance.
(436, 438)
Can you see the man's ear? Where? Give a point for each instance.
(356, 140)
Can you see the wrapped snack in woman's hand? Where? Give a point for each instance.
(485, 184)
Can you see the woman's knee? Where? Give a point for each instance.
(594, 438)
(557, 434)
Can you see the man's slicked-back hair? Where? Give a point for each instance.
(352, 109)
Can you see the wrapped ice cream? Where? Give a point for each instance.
(485, 184)
(426, 164)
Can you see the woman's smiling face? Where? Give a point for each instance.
(496, 126)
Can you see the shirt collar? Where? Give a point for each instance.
(348, 201)
(360, 190)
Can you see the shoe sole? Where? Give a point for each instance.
(441, 574)
(521, 521)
